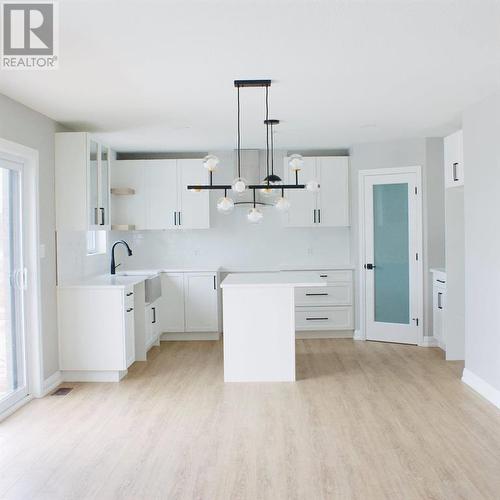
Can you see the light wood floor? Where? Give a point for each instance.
(365, 421)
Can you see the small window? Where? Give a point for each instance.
(96, 242)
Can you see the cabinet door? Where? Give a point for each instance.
(160, 178)
(129, 336)
(172, 303)
(194, 207)
(438, 307)
(93, 185)
(149, 326)
(453, 160)
(333, 197)
(200, 292)
(128, 209)
(155, 320)
(302, 212)
(104, 194)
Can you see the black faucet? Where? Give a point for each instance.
(113, 265)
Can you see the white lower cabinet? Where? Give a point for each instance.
(96, 332)
(439, 307)
(190, 302)
(326, 308)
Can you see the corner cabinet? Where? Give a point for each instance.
(82, 170)
(160, 199)
(330, 206)
(454, 160)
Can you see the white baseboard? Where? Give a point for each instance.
(165, 337)
(429, 341)
(9, 411)
(324, 334)
(482, 387)
(359, 335)
(93, 375)
(51, 383)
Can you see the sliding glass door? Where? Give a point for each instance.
(13, 385)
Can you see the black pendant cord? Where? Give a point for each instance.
(239, 134)
(225, 193)
(267, 134)
(272, 150)
(254, 198)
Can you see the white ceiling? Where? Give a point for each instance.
(158, 75)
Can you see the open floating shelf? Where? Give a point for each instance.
(122, 191)
(123, 227)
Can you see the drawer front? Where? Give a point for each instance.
(324, 318)
(335, 276)
(129, 298)
(339, 294)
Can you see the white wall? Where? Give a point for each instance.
(481, 126)
(29, 128)
(428, 153)
(233, 242)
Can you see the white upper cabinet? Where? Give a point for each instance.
(330, 206)
(160, 178)
(82, 182)
(454, 160)
(161, 199)
(194, 207)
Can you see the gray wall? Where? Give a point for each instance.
(481, 126)
(29, 128)
(428, 153)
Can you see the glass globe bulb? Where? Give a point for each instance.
(210, 162)
(267, 191)
(239, 185)
(225, 205)
(313, 186)
(282, 204)
(255, 215)
(296, 162)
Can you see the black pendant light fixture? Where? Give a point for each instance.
(271, 182)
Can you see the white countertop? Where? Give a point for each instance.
(288, 279)
(108, 281)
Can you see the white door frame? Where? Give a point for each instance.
(362, 174)
(34, 360)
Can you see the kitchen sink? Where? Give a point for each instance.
(152, 289)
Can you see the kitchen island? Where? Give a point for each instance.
(259, 324)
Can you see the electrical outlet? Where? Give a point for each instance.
(310, 251)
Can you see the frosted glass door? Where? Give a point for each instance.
(13, 385)
(392, 267)
(390, 242)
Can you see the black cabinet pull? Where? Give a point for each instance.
(313, 294)
(175, 218)
(102, 216)
(314, 211)
(319, 215)
(215, 283)
(316, 319)
(455, 177)
(154, 314)
(96, 221)
(180, 223)
(441, 281)
(440, 305)
(323, 275)
(130, 309)
(129, 294)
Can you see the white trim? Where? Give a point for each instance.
(93, 375)
(51, 383)
(326, 334)
(34, 354)
(429, 341)
(168, 336)
(360, 333)
(12, 409)
(481, 387)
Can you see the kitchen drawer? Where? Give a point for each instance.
(338, 294)
(323, 318)
(129, 297)
(335, 276)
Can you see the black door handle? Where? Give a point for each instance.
(314, 294)
(455, 177)
(370, 266)
(154, 314)
(102, 216)
(316, 319)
